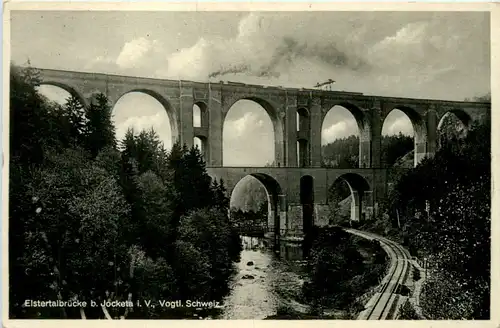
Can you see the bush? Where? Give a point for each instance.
(334, 260)
(407, 312)
(446, 297)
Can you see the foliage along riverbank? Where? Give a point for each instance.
(94, 219)
(340, 269)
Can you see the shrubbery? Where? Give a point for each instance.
(407, 312)
(337, 272)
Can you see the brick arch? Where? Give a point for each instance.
(303, 119)
(275, 198)
(272, 110)
(204, 113)
(355, 181)
(360, 190)
(68, 88)
(363, 122)
(419, 128)
(354, 109)
(167, 105)
(461, 114)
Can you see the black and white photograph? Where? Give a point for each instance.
(257, 164)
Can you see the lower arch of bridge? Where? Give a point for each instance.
(361, 196)
(363, 132)
(278, 131)
(276, 200)
(161, 101)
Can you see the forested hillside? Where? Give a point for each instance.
(343, 153)
(93, 218)
(443, 206)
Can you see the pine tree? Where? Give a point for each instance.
(29, 127)
(75, 112)
(100, 130)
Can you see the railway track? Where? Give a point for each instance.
(385, 303)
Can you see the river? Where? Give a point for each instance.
(265, 281)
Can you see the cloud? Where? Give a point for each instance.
(135, 50)
(239, 127)
(248, 137)
(54, 93)
(399, 54)
(266, 47)
(338, 130)
(407, 54)
(394, 126)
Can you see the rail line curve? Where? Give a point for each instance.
(384, 304)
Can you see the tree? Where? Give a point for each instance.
(333, 261)
(209, 231)
(75, 229)
(395, 147)
(29, 128)
(99, 131)
(157, 211)
(342, 153)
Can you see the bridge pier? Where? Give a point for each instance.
(295, 223)
(368, 206)
(282, 214)
(321, 215)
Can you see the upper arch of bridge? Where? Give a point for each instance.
(168, 92)
(361, 117)
(271, 107)
(463, 117)
(164, 102)
(68, 88)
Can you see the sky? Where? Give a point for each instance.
(408, 54)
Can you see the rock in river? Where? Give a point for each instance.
(248, 276)
(250, 263)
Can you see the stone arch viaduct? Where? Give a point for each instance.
(297, 185)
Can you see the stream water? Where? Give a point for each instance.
(265, 281)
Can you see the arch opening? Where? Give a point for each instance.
(303, 155)
(349, 199)
(200, 143)
(154, 114)
(261, 196)
(303, 120)
(59, 93)
(196, 116)
(403, 141)
(453, 127)
(344, 134)
(252, 135)
(200, 115)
